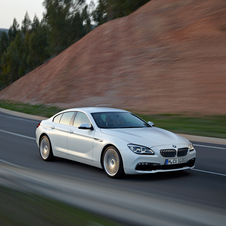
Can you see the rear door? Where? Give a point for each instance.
(59, 133)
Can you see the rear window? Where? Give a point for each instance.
(66, 118)
(57, 118)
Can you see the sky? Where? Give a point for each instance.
(10, 9)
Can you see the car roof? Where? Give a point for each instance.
(96, 109)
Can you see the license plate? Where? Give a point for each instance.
(174, 161)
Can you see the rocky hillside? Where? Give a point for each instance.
(169, 56)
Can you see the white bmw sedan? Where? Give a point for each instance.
(113, 139)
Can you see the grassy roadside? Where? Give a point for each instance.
(212, 126)
(41, 110)
(21, 209)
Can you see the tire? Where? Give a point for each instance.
(45, 149)
(112, 162)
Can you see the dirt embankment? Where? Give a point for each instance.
(168, 56)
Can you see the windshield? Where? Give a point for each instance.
(110, 120)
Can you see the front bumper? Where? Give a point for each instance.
(144, 164)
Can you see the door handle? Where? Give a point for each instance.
(70, 131)
(53, 127)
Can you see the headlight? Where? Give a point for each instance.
(191, 147)
(140, 150)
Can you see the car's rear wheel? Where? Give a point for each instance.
(45, 149)
(112, 162)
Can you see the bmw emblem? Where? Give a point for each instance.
(174, 146)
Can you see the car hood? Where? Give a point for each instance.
(149, 136)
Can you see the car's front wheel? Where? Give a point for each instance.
(112, 162)
(45, 149)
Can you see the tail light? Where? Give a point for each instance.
(39, 124)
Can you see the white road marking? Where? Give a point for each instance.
(205, 146)
(20, 118)
(204, 171)
(17, 134)
(11, 164)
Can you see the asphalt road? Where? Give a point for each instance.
(192, 197)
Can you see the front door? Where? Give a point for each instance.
(80, 141)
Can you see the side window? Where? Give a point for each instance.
(66, 118)
(80, 119)
(57, 118)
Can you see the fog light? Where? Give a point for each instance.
(147, 166)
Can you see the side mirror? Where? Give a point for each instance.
(85, 126)
(151, 124)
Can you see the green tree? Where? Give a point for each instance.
(86, 20)
(100, 13)
(64, 22)
(110, 9)
(35, 24)
(13, 30)
(26, 24)
(38, 47)
(4, 42)
(13, 60)
(26, 32)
